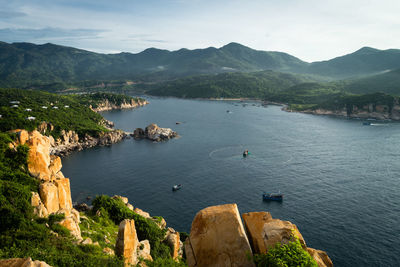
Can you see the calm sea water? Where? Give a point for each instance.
(340, 178)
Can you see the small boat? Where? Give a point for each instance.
(176, 187)
(366, 123)
(273, 196)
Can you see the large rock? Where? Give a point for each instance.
(217, 238)
(64, 193)
(264, 232)
(155, 133)
(20, 262)
(38, 207)
(142, 213)
(123, 199)
(173, 240)
(127, 242)
(143, 252)
(39, 155)
(22, 135)
(55, 165)
(71, 222)
(49, 195)
(321, 257)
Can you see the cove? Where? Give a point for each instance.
(340, 178)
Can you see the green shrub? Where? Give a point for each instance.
(15, 206)
(285, 255)
(53, 218)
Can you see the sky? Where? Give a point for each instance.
(312, 30)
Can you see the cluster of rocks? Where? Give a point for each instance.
(134, 251)
(69, 141)
(155, 133)
(54, 190)
(218, 237)
(107, 105)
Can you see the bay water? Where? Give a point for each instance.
(340, 178)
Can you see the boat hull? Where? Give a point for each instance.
(269, 197)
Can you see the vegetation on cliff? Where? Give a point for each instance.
(21, 109)
(285, 255)
(96, 99)
(145, 228)
(24, 109)
(23, 234)
(349, 102)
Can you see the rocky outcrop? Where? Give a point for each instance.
(264, 232)
(49, 195)
(321, 257)
(142, 213)
(217, 238)
(107, 105)
(123, 199)
(39, 209)
(127, 242)
(54, 190)
(173, 240)
(21, 262)
(154, 133)
(143, 252)
(69, 141)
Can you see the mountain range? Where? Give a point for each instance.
(26, 64)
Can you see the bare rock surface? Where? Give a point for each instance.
(217, 238)
(321, 257)
(155, 133)
(127, 242)
(22, 262)
(264, 232)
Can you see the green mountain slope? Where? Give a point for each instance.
(365, 61)
(387, 82)
(53, 67)
(228, 85)
(24, 64)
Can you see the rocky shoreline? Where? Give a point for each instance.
(69, 141)
(107, 105)
(378, 112)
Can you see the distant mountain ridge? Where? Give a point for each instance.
(26, 64)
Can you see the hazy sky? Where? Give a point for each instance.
(309, 29)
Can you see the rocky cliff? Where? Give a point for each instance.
(54, 194)
(70, 141)
(107, 105)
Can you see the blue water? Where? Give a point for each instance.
(340, 178)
